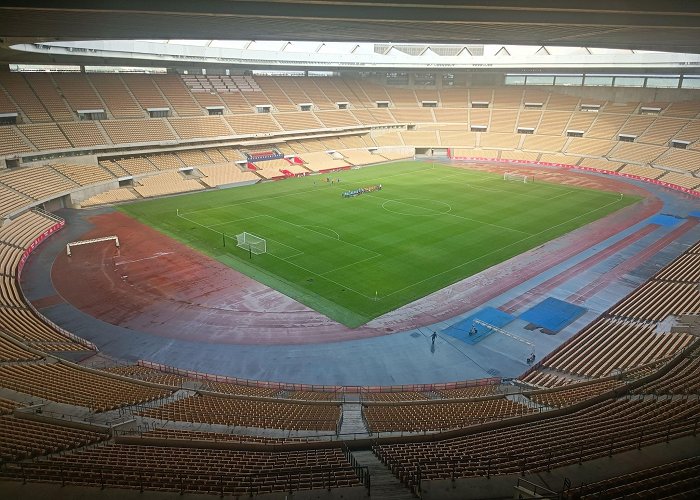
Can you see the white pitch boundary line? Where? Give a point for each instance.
(323, 277)
(294, 263)
(565, 193)
(465, 173)
(413, 284)
(351, 264)
(257, 200)
(236, 220)
(512, 193)
(288, 257)
(199, 224)
(490, 190)
(299, 252)
(501, 248)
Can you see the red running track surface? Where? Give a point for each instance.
(157, 285)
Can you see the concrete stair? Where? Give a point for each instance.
(352, 419)
(383, 484)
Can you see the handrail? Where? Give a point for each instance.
(183, 480)
(361, 471)
(49, 215)
(522, 461)
(317, 388)
(537, 490)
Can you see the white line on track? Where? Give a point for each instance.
(154, 256)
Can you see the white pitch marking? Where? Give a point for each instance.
(337, 236)
(154, 256)
(501, 248)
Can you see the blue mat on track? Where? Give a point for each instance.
(665, 220)
(490, 315)
(695, 214)
(552, 314)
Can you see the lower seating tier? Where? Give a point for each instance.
(193, 470)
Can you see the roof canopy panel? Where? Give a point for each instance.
(672, 25)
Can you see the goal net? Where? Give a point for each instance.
(252, 243)
(514, 176)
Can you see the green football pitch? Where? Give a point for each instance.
(354, 259)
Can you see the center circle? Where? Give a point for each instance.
(417, 207)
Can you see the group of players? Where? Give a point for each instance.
(358, 192)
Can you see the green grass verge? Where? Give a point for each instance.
(355, 259)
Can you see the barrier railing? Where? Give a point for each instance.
(361, 471)
(668, 185)
(413, 473)
(143, 479)
(340, 391)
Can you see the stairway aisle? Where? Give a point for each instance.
(384, 485)
(352, 419)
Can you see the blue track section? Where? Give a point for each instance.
(490, 315)
(552, 314)
(666, 220)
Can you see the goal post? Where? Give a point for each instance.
(87, 242)
(518, 177)
(252, 243)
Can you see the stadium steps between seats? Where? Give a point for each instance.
(352, 419)
(384, 484)
(135, 193)
(519, 398)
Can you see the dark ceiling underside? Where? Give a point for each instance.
(672, 26)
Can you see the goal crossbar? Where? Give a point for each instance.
(516, 176)
(252, 243)
(503, 332)
(94, 240)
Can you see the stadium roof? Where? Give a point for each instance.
(331, 56)
(670, 26)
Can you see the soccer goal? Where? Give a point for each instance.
(87, 242)
(515, 176)
(254, 244)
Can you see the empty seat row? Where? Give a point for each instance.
(67, 384)
(249, 413)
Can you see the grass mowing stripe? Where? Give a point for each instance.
(516, 242)
(429, 227)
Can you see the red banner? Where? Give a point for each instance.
(38, 241)
(588, 169)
